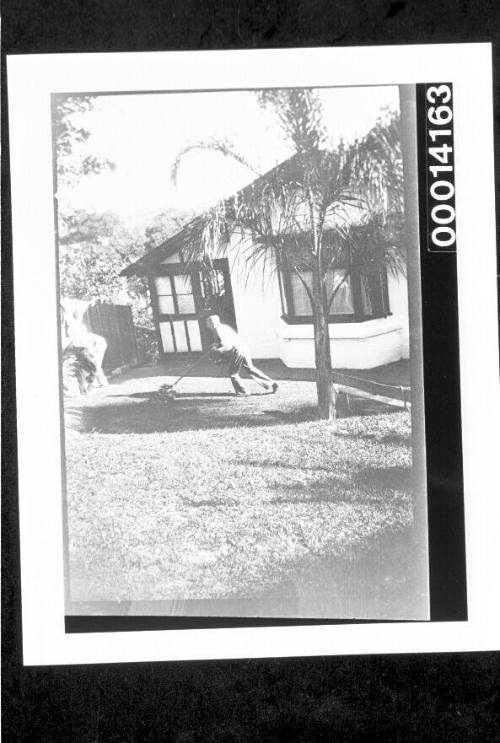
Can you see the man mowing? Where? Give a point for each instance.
(228, 346)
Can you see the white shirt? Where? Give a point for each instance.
(229, 340)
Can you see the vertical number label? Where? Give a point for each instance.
(440, 170)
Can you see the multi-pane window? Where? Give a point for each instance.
(351, 296)
(175, 295)
(165, 295)
(339, 293)
(301, 301)
(184, 294)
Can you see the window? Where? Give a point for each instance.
(339, 293)
(375, 286)
(301, 301)
(213, 288)
(184, 293)
(165, 296)
(175, 295)
(352, 296)
(366, 295)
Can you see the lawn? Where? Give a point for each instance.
(216, 497)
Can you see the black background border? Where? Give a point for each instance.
(448, 696)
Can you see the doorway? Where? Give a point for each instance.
(182, 299)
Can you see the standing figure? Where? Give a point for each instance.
(229, 346)
(88, 348)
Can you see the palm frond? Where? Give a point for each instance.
(300, 115)
(222, 146)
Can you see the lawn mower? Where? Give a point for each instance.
(167, 391)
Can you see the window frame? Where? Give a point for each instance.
(288, 305)
(170, 274)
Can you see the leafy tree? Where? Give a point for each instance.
(74, 159)
(323, 209)
(92, 250)
(163, 226)
(87, 253)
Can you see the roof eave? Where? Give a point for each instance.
(144, 265)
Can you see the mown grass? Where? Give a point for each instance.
(216, 497)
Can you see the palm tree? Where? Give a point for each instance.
(317, 213)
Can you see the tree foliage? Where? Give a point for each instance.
(93, 247)
(74, 158)
(163, 226)
(300, 115)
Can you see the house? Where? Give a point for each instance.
(269, 306)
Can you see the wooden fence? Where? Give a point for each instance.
(114, 322)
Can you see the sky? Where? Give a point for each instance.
(142, 135)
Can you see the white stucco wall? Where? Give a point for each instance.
(257, 303)
(354, 345)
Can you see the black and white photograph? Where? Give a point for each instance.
(246, 264)
(236, 368)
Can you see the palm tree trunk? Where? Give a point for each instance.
(324, 380)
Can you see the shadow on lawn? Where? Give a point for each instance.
(189, 413)
(390, 478)
(395, 477)
(369, 485)
(143, 412)
(283, 465)
(394, 439)
(151, 396)
(204, 502)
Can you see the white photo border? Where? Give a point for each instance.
(32, 79)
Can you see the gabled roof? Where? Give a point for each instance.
(287, 171)
(167, 248)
